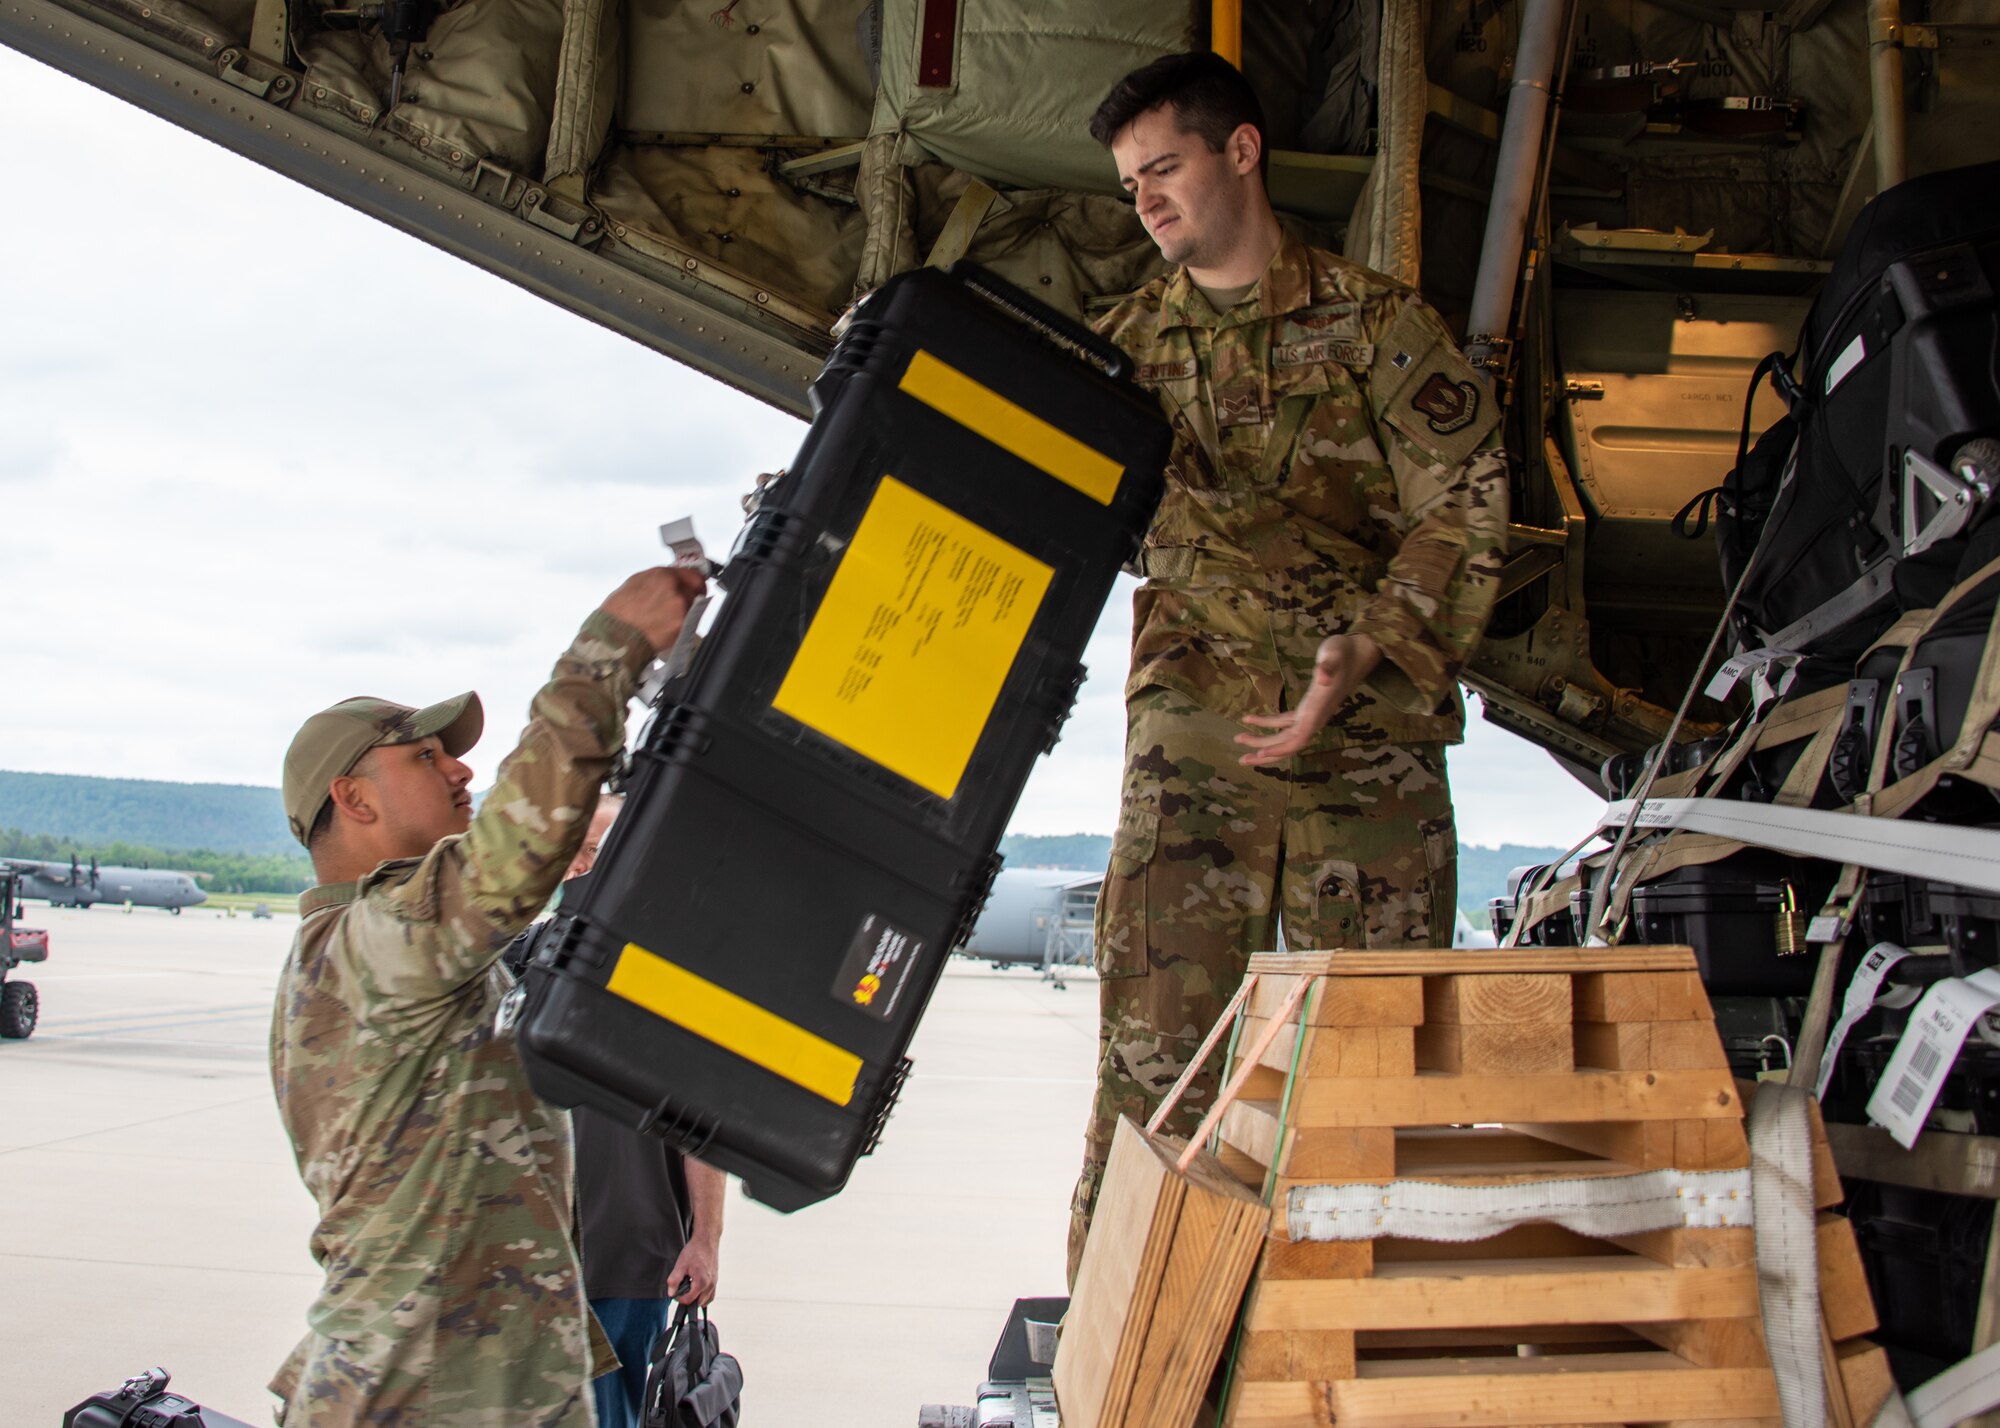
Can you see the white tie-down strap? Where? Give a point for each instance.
(1961, 1391)
(1600, 1207)
(1781, 1165)
(1969, 857)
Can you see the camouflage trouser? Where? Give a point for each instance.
(1348, 848)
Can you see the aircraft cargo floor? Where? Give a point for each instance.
(150, 1214)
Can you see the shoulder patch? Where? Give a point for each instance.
(1422, 386)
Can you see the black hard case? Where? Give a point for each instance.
(755, 852)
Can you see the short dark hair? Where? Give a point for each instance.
(322, 824)
(1210, 96)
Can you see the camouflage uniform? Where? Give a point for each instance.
(453, 1297)
(1335, 470)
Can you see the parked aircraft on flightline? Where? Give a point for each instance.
(77, 885)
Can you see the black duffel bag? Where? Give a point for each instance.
(690, 1382)
(1855, 506)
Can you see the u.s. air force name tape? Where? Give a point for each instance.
(1915, 1074)
(1942, 852)
(1861, 999)
(1598, 1207)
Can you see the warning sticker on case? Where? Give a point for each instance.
(877, 967)
(905, 659)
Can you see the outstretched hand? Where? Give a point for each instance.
(1344, 661)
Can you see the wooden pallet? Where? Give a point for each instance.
(1485, 1068)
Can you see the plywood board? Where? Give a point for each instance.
(1162, 1272)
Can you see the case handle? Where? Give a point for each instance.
(1064, 331)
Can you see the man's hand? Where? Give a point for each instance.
(1344, 661)
(693, 1274)
(655, 602)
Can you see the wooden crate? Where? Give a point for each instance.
(1496, 1067)
(1162, 1273)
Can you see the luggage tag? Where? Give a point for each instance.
(1915, 1074)
(679, 538)
(1861, 999)
(1758, 661)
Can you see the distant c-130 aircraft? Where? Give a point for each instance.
(78, 885)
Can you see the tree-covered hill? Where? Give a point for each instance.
(236, 835)
(222, 817)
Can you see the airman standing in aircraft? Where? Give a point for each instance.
(1328, 548)
(444, 1184)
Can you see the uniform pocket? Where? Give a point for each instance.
(1441, 858)
(1121, 902)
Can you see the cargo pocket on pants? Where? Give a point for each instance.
(1120, 939)
(1337, 909)
(1441, 862)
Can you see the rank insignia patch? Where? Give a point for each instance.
(1447, 406)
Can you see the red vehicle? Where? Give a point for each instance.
(19, 1003)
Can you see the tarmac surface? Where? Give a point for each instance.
(150, 1212)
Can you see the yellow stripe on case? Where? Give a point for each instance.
(717, 1014)
(1012, 427)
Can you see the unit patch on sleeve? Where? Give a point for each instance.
(1427, 391)
(1449, 406)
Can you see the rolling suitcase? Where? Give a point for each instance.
(813, 807)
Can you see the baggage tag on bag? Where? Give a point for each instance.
(1862, 999)
(1937, 1031)
(679, 538)
(1758, 662)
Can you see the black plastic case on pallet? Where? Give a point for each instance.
(1745, 918)
(811, 819)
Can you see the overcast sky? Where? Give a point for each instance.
(259, 453)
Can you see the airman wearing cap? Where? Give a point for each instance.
(444, 1184)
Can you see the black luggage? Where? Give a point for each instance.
(1855, 506)
(813, 808)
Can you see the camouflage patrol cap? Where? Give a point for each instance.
(331, 743)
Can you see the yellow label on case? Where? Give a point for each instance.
(906, 656)
(734, 1023)
(1012, 427)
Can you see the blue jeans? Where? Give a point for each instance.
(633, 1326)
